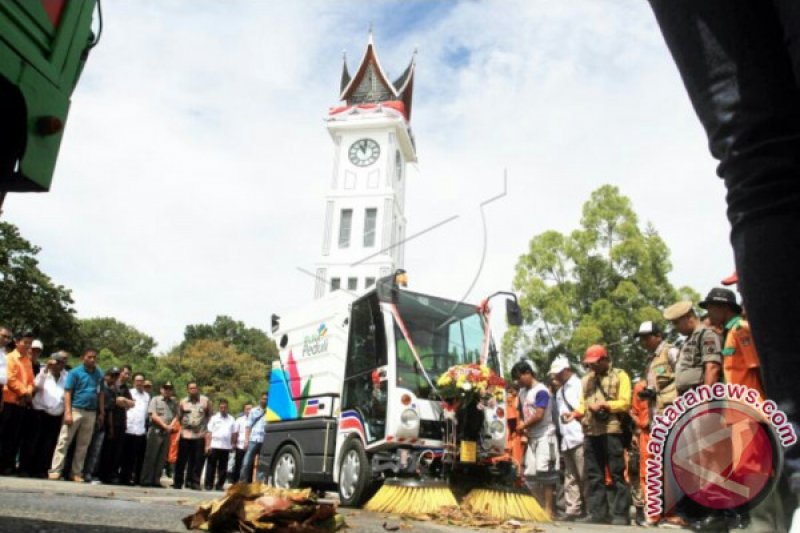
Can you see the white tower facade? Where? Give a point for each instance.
(365, 224)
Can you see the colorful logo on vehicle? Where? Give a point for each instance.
(316, 343)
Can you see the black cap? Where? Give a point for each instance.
(718, 295)
(112, 371)
(168, 385)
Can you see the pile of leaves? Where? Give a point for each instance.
(464, 517)
(255, 507)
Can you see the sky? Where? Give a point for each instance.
(194, 166)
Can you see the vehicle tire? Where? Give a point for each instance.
(287, 467)
(355, 481)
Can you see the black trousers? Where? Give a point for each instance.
(133, 447)
(189, 465)
(38, 443)
(601, 451)
(237, 465)
(216, 463)
(740, 63)
(13, 418)
(110, 456)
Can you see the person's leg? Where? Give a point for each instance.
(246, 474)
(237, 465)
(151, 455)
(182, 461)
(30, 443)
(139, 447)
(92, 463)
(222, 469)
(51, 427)
(621, 499)
(197, 468)
(83, 437)
(572, 491)
(65, 438)
(127, 459)
(12, 429)
(739, 61)
(594, 457)
(211, 469)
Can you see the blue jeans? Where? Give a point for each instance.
(246, 475)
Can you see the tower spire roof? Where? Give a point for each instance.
(370, 84)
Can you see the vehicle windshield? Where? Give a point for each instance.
(444, 334)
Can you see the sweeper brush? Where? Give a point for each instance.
(399, 496)
(504, 504)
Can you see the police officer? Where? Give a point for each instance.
(604, 402)
(700, 358)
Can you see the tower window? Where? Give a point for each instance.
(370, 219)
(352, 284)
(345, 225)
(369, 282)
(335, 284)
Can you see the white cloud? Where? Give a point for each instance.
(193, 170)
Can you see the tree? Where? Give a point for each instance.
(122, 340)
(595, 285)
(29, 300)
(234, 333)
(219, 369)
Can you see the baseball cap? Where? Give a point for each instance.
(114, 370)
(37, 344)
(594, 353)
(649, 328)
(61, 357)
(168, 385)
(559, 363)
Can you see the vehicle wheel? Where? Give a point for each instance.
(356, 485)
(287, 468)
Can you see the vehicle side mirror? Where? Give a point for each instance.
(513, 313)
(275, 323)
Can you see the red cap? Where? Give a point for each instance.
(733, 279)
(594, 353)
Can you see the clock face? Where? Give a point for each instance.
(364, 152)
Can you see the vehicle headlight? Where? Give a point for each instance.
(497, 429)
(409, 418)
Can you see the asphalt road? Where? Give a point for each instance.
(28, 505)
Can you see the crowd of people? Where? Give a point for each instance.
(583, 441)
(84, 424)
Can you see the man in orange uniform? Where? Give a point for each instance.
(17, 398)
(512, 416)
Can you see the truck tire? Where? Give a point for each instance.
(287, 467)
(355, 481)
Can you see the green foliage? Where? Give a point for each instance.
(30, 299)
(595, 285)
(122, 340)
(233, 333)
(219, 369)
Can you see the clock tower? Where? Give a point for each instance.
(365, 223)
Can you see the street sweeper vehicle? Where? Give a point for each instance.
(391, 390)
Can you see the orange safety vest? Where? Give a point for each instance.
(741, 364)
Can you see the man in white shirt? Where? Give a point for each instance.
(568, 398)
(241, 444)
(220, 439)
(36, 451)
(134, 442)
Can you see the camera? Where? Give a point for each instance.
(602, 415)
(647, 394)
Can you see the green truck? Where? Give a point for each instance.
(44, 45)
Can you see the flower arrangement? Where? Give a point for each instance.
(468, 384)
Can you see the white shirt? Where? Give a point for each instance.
(241, 430)
(536, 397)
(137, 415)
(3, 367)
(49, 395)
(572, 432)
(222, 429)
